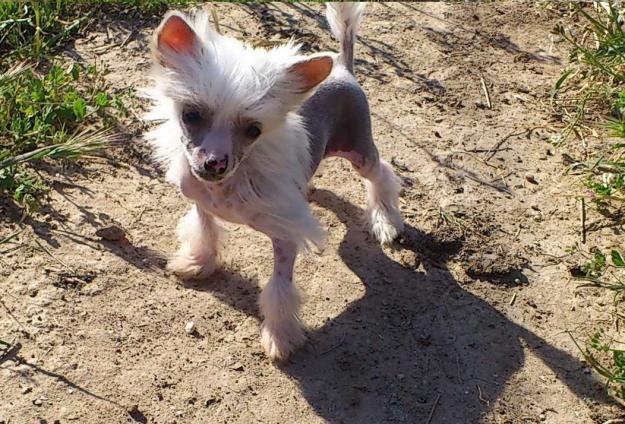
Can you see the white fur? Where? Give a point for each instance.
(198, 255)
(344, 19)
(281, 331)
(382, 215)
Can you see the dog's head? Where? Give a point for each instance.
(228, 96)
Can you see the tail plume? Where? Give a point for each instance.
(344, 19)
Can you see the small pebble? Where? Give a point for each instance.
(531, 179)
(190, 327)
(237, 366)
(111, 233)
(37, 402)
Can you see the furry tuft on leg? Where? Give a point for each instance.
(199, 241)
(382, 215)
(281, 331)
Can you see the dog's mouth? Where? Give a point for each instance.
(213, 177)
(209, 176)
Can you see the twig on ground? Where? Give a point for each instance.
(215, 20)
(11, 236)
(335, 346)
(438, 397)
(46, 250)
(479, 395)
(486, 93)
(583, 219)
(473, 155)
(128, 37)
(139, 215)
(6, 308)
(489, 150)
(592, 166)
(503, 178)
(513, 299)
(10, 349)
(493, 150)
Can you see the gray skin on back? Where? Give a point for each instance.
(338, 121)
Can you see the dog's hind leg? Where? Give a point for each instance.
(199, 239)
(340, 125)
(383, 186)
(281, 331)
(382, 215)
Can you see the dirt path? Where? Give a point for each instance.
(464, 321)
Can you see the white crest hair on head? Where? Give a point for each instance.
(231, 78)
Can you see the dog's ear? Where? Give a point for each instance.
(298, 80)
(174, 40)
(309, 72)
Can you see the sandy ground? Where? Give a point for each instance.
(464, 320)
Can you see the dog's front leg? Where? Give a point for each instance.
(281, 330)
(198, 235)
(197, 232)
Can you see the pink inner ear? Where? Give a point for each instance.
(312, 71)
(177, 35)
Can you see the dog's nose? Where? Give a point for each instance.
(216, 166)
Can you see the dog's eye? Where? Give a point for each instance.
(252, 131)
(191, 117)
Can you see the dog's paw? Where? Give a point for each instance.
(383, 224)
(188, 266)
(280, 340)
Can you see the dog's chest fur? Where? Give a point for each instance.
(221, 200)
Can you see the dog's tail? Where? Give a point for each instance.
(344, 19)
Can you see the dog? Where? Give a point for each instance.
(242, 132)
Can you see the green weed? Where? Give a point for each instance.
(142, 7)
(590, 96)
(31, 29)
(44, 116)
(600, 352)
(607, 361)
(51, 112)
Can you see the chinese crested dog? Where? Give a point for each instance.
(243, 131)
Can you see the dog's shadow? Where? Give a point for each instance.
(414, 342)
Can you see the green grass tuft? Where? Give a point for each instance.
(52, 112)
(602, 352)
(32, 29)
(590, 96)
(44, 116)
